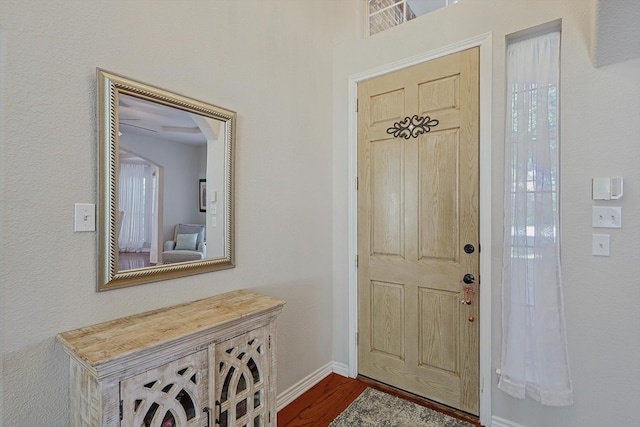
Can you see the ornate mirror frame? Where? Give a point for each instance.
(110, 87)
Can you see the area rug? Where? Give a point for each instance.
(375, 408)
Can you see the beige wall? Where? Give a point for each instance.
(268, 60)
(600, 136)
(275, 63)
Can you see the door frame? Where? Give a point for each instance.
(484, 42)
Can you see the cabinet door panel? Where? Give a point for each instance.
(171, 395)
(242, 368)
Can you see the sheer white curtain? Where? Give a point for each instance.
(131, 200)
(534, 350)
(153, 251)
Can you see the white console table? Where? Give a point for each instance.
(209, 362)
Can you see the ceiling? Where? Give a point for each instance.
(139, 117)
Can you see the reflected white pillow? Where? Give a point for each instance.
(186, 242)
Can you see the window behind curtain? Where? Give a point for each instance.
(534, 356)
(133, 181)
(385, 14)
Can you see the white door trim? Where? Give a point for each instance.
(484, 42)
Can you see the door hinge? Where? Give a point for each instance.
(357, 104)
(269, 417)
(269, 341)
(356, 261)
(357, 183)
(121, 411)
(357, 338)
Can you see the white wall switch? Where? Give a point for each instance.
(607, 217)
(85, 217)
(600, 245)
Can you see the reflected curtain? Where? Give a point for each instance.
(153, 252)
(534, 349)
(131, 200)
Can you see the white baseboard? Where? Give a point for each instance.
(501, 422)
(340, 369)
(296, 390)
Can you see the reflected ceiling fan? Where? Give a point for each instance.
(163, 128)
(144, 116)
(123, 122)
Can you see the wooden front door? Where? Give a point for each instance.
(418, 213)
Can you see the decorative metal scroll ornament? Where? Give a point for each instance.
(412, 126)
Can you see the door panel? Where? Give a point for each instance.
(417, 208)
(438, 193)
(438, 95)
(387, 106)
(386, 225)
(387, 327)
(438, 322)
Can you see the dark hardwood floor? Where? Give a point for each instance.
(131, 260)
(322, 403)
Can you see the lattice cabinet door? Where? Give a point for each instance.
(242, 370)
(172, 395)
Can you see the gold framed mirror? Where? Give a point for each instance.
(165, 202)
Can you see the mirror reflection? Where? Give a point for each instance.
(166, 184)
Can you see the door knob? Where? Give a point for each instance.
(469, 248)
(469, 278)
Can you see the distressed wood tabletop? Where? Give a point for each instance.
(114, 339)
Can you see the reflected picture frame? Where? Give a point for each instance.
(202, 195)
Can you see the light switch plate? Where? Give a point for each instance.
(85, 217)
(600, 245)
(607, 217)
